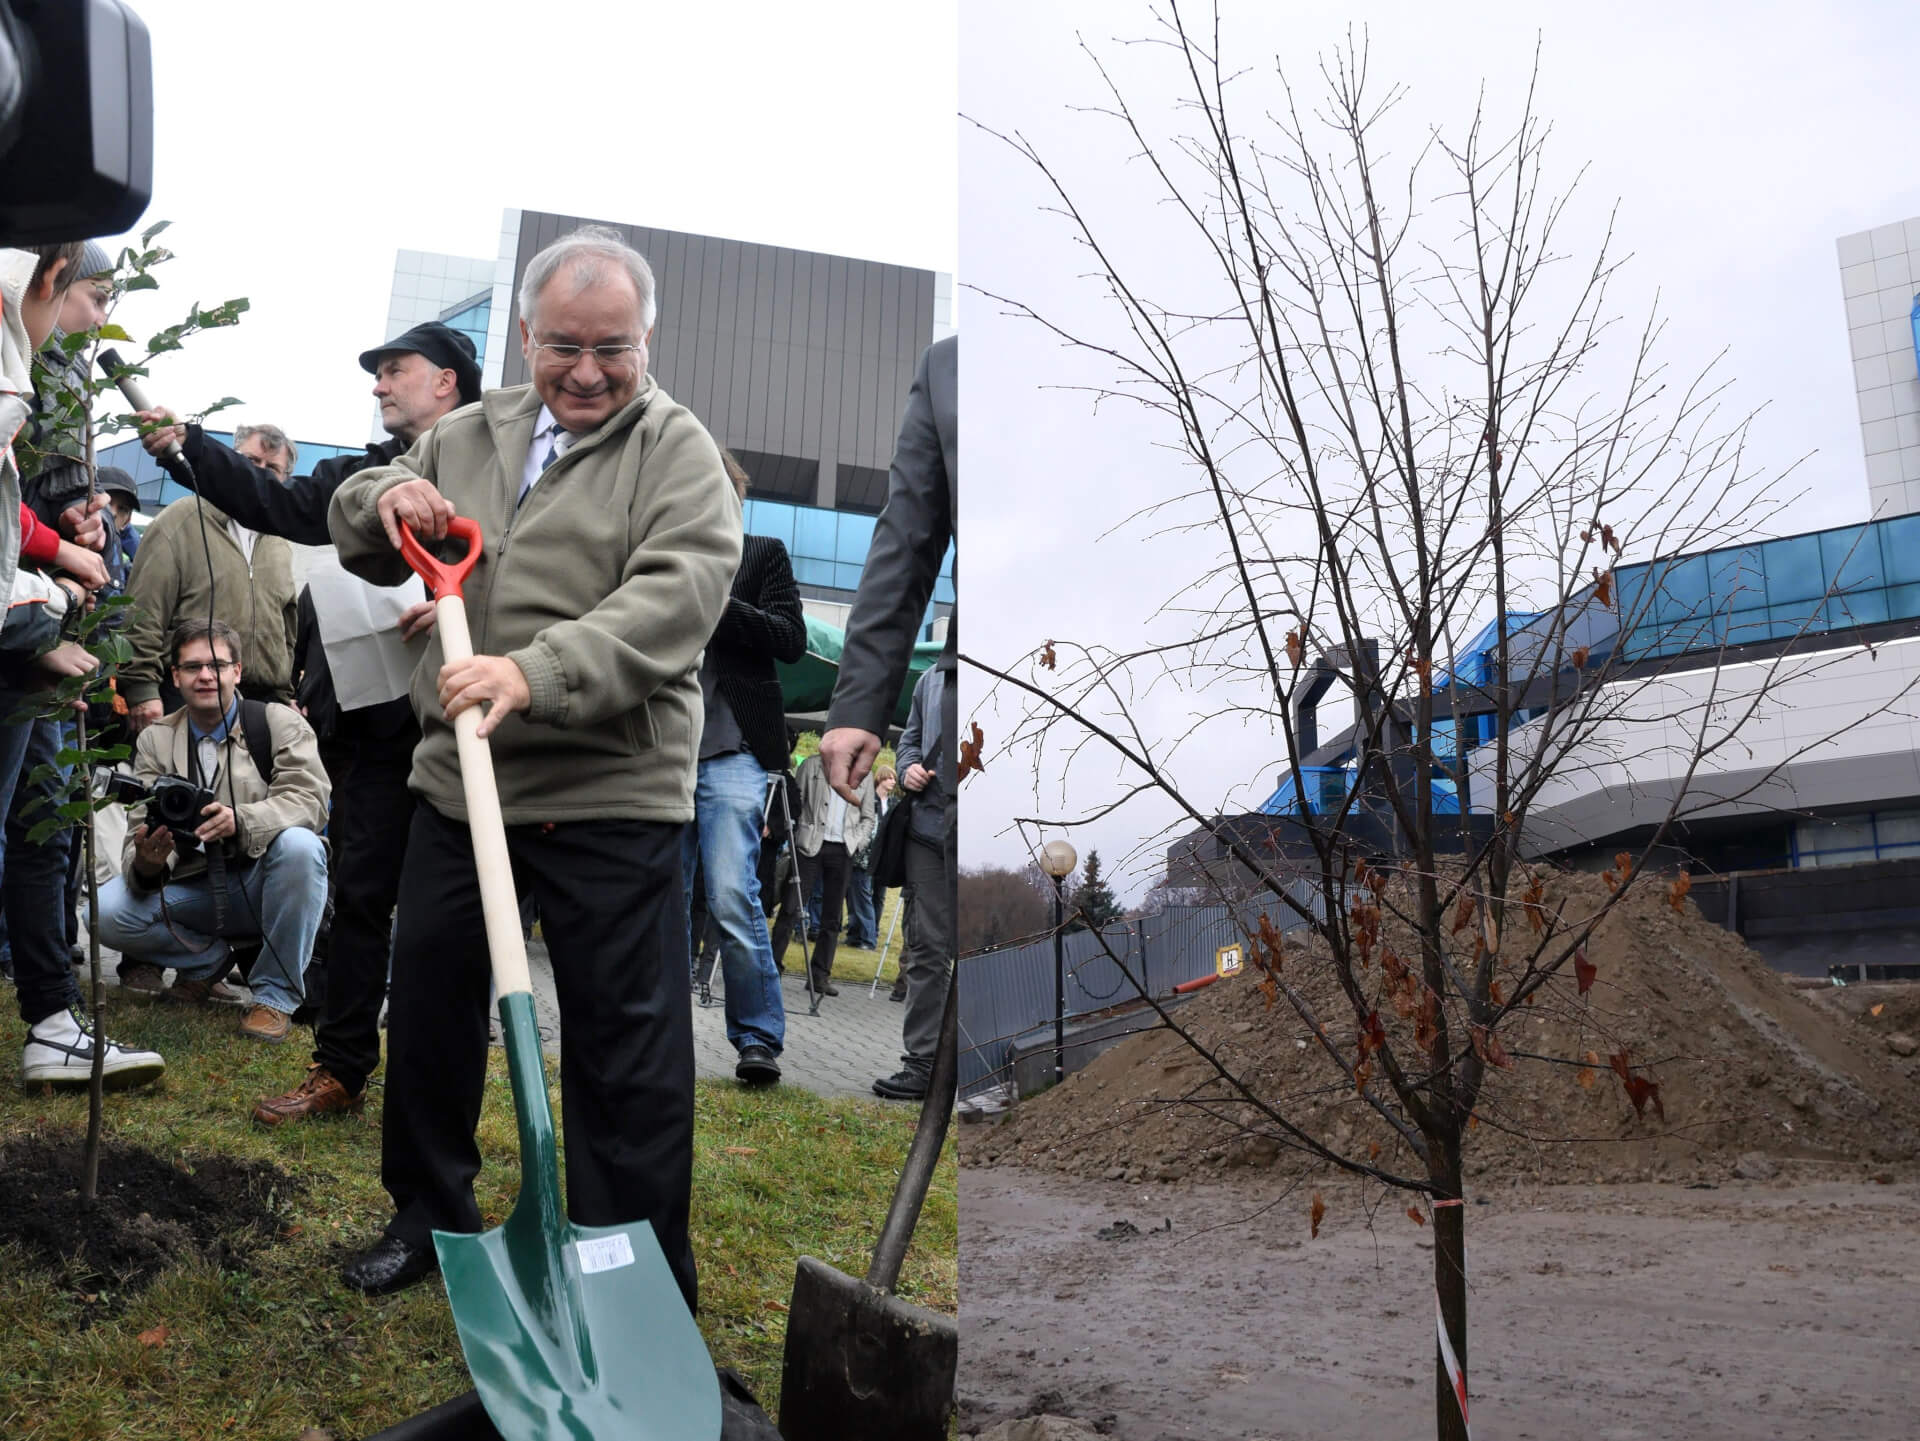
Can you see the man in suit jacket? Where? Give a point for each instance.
(909, 540)
(743, 742)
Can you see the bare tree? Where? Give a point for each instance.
(1410, 412)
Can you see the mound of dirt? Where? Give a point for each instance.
(1745, 1066)
(151, 1213)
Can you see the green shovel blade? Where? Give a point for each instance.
(572, 1331)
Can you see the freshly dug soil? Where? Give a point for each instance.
(1746, 1067)
(152, 1212)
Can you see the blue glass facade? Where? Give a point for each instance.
(828, 547)
(1826, 580)
(471, 321)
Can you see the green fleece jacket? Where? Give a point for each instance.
(603, 588)
(170, 583)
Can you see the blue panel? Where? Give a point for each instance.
(1866, 607)
(1794, 571)
(1900, 548)
(1744, 627)
(1683, 588)
(1790, 619)
(813, 572)
(943, 589)
(773, 521)
(1851, 558)
(814, 534)
(1737, 575)
(1903, 601)
(1630, 584)
(854, 539)
(847, 576)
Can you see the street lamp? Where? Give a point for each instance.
(1058, 859)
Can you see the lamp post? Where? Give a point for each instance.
(1058, 859)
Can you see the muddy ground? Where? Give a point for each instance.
(1782, 1308)
(151, 1213)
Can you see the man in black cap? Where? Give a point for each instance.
(419, 376)
(123, 497)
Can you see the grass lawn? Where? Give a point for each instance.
(275, 1343)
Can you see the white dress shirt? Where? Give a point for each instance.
(547, 436)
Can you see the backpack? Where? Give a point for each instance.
(258, 734)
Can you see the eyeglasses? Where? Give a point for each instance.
(191, 668)
(609, 357)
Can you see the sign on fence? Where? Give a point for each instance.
(1227, 960)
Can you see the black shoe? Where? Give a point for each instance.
(757, 1067)
(825, 988)
(901, 1086)
(392, 1265)
(898, 993)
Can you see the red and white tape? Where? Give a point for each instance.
(1456, 1374)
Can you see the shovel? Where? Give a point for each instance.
(861, 1364)
(576, 1332)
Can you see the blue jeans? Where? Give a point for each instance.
(862, 928)
(728, 803)
(279, 898)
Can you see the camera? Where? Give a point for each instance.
(172, 801)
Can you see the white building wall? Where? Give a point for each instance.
(1879, 275)
(425, 287)
(1834, 729)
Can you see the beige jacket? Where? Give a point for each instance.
(169, 583)
(810, 826)
(297, 798)
(603, 587)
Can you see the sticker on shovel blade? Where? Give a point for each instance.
(609, 1253)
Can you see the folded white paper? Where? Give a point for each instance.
(359, 630)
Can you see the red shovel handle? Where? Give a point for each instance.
(442, 577)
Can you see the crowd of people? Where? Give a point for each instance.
(625, 670)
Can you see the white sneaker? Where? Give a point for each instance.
(59, 1051)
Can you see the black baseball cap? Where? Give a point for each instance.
(446, 347)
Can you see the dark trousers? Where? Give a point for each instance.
(372, 811)
(614, 913)
(36, 874)
(830, 868)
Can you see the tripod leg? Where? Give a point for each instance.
(800, 907)
(899, 905)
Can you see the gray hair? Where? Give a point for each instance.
(275, 438)
(586, 250)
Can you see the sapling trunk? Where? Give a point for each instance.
(96, 1083)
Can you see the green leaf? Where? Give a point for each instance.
(110, 331)
(146, 236)
(116, 753)
(142, 282)
(68, 756)
(43, 831)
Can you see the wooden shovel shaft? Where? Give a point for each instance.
(498, 903)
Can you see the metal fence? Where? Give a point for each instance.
(1007, 996)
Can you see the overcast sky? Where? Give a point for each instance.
(1740, 142)
(297, 148)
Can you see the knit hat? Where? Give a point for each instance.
(112, 480)
(446, 347)
(94, 260)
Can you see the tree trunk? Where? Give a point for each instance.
(1450, 1286)
(96, 1083)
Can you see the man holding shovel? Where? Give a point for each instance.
(609, 537)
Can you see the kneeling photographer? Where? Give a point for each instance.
(234, 798)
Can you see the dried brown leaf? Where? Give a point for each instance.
(1316, 1215)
